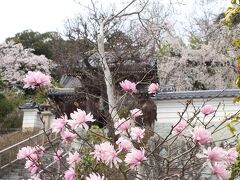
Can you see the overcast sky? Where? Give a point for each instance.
(46, 15)
(38, 15)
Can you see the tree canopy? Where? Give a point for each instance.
(41, 43)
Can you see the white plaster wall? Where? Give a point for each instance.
(31, 119)
(167, 113)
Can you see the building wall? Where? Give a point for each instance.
(167, 113)
(31, 120)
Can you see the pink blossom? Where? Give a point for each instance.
(135, 157)
(94, 176)
(39, 150)
(98, 152)
(106, 153)
(36, 177)
(207, 109)
(220, 170)
(80, 119)
(68, 136)
(128, 86)
(73, 158)
(58, 155)
(201, 135)
(33, 157)
(31, 166)
(231, 155)
(137, 133)
(122, 126)
(70, 174)
(58, 124)
(25, 152)
(153, 88)
(217, 154)
(35, 79)
(136, 113)
(179, 127)
(124, 144)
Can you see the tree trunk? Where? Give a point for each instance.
(107, 74)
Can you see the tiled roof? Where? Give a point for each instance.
(196, 94)
(62, 91)
(167, 95)
(70, 81)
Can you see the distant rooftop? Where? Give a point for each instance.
(62, 92)
(166, 95)
(197, 94)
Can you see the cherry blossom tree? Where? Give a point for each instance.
(16, 61)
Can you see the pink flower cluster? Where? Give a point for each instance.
(218, 160)
(136, 113)
(201, 136)
(128, 86)
(207, 109)
(80, 119)
(32, 156)
(124, 144)
(68, 136)
(72, 160)
(179, 127)
(70, 174)
(58, 125)
(58, 155)
(153, 88)
(106, 153)
(94, 176)
(35, 79)
(135, 157)
(137, 134)
(121, 126)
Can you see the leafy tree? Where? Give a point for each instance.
(232, 14)
(5, 107)
(41, 43)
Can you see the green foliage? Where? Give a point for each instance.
(231, 128)
(237, 81)
(211, 71)
(5, 107)
(95, 135)
(236, 44)
(194, 41)
(164, 50)
(235, 169)
(238, 60)
(41, 43)
(198, 86)
(3, 85)
(36, 95)
(231, 124)
(232, 15)
(10, 115)
(123, 112)
(56, 83)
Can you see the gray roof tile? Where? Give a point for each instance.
(196, 94)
